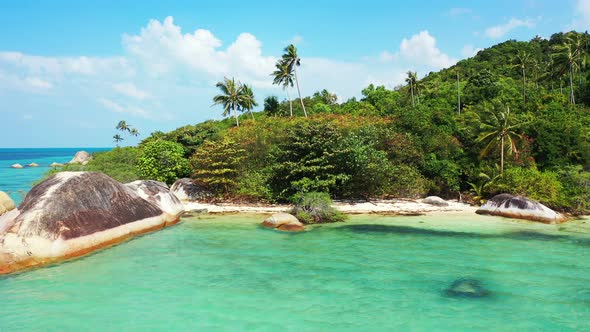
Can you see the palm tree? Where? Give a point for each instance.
(292, 61)
(522, 60)
(498, 129)
(230, 98)
(283, 76)
(117, 139)
(568, 58)
(122, 126)
(411, 80)
(247, 101)
(134, 132)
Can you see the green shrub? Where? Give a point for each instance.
(529, 182)
(575, 196)
(315, 208)
(162, 161)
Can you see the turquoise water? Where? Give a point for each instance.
(225, 273)
(16, 182)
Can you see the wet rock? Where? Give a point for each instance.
(466, 288)
(283, 222)
(6, 203)
(435, 200)
(158, 194)
(81, 157)
(33, 165)
(510, 206)
(54, 164)
(185, 189)
(16, 166)
(71, 214)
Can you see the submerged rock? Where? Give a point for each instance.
(185, 189)
(71, 214)
(81, 157)
(510, 206)
(6, 203)
(435, 200)
(33, 165)
(283, 222)
(16, 166)
(466, 288)
(158, 194)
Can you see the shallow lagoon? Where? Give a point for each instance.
(371, 273)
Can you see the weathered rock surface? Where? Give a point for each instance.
(283, 222)
(81, 157)
(185, 189)
(6, 203)
(33, 165)
(71, 214)
(16, 166)
(54, 164)
(435, 200)
(466, 288)
(510, 206)
(158, 194)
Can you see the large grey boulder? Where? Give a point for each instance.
(71, 214)
(283, 222)
(6, 203)
(185, 189)
(81, 157)
(158, 194)
(435, 200)
(507, 205)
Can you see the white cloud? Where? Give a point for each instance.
(501, 30)
(296, 40)
(130, 90)
(38, 83)
(458, 11)
(117, 108)
(421, 49)
(582, 15)
(469, 51)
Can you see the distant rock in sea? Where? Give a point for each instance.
(16, 166)
(435, 200)
(283, 222)
(6, 203)
(506, 205)
(33, 165)
(54, 164)
(185, 189)
(81, 157)
(73, 213)
(466, 288)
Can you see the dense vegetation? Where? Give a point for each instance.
(515, 118)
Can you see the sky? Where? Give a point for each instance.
(70, 70)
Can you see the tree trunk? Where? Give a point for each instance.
(412, 92)
(458, 94)
(572, 99)
(252, 115)
(502, 154)
(290, 102)
(236, 117)
(299, 91)
(523, 87)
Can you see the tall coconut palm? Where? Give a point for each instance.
(134, 132)
(117, 139)
(498, 130)
(283, 76)
(567, 58)
(230, 97)
(291, 59)
(522, 60)
(411, 80)
(247, 100)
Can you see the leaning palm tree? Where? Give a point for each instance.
(247, 101)
(292, 61)
(230, 97)
(117, 139)
(498, 130)
(411, 80)
(134, 132)
(521, 61)
(122, 126)
(567, 58)
(283, 76)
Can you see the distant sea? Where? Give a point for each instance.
(17, 182)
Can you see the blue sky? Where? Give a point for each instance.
(70, 70)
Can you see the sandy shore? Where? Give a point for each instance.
(395, 206)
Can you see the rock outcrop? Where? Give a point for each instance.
(506, 205)
(283, 222)
(6, 203)
(81, 157)
(158, 194)
(54, 164)
(33, 165)
(185, 189)
(435, 200)
(466, 288)
(16, 166)
(71, 214)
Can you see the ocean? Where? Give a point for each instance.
(17, 182)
